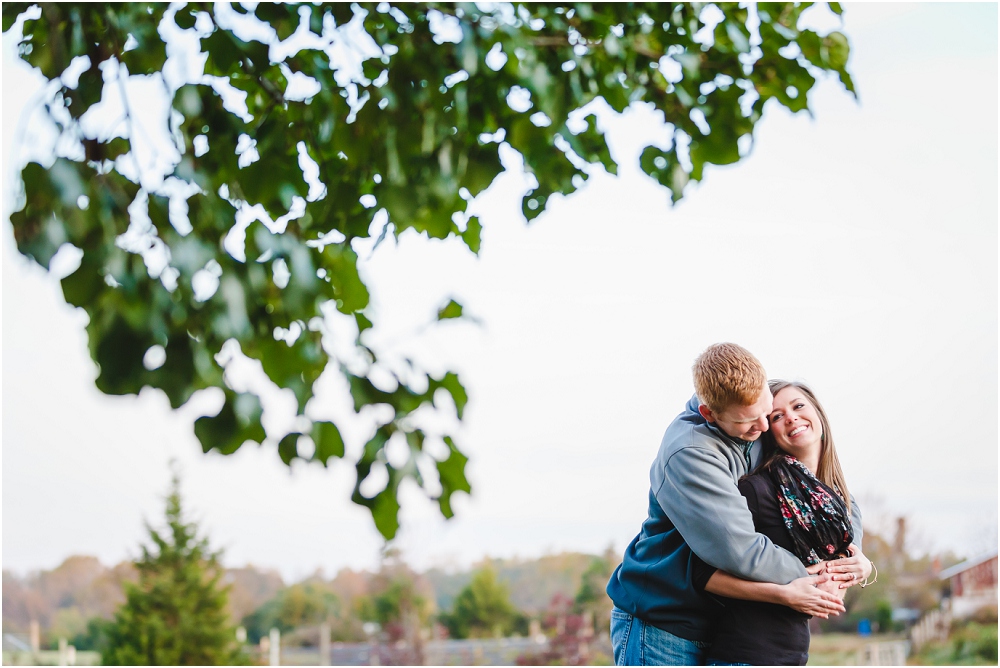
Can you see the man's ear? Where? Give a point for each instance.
(706, 412)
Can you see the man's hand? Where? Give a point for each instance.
(851, 570)
(809, 596)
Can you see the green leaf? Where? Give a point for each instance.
(364, 393)
(293, 367)
(413, 146)
(839, 51)
(328, 440)
(665, 168)
(178, 377)
(454, 387)
(88, 91)
(237, 423)
(373, 447)
(283, 18)
(116, 147)
(592, 146)
(11, 10)
(150, 54)
(228, 54)
(452, 476)
(385, 512)
(288, 448)
(533, 204)
(272, 182)
(185, 17)
(450, 310)
(36, 230)
(83, 286)
(483, 167)
(363, 322)
(472, 236)
(342, 264)
(118, 349)
(383, 506)
(811, 44)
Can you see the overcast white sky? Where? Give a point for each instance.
(856, 251)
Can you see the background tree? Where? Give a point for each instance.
(335, 124)
(402, 601)
(401, 606)
(250, 588)
(177, 612)
(591, 597)
(95, 636)
(483, 609)
(303, 604)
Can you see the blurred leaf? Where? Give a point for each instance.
(342, 264)
(363, 322)
(383, 506)
(328, 442)
(473, 234)
(119, 352)
(450, 310)
(228, 54)
(385, 512)
(413, 138)
(288, 448)
(454, 387)
(452, 475)
(83, 286)
(185, 17)
(178, 377)
(237, 423)
(282, 17)
(150, 52)
(665, 168)
(11, 10)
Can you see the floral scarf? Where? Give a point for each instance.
(817, 520)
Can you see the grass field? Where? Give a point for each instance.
(841, 649)
(971, 644)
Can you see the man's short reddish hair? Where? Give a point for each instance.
(726, 375)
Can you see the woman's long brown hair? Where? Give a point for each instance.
(829, 473)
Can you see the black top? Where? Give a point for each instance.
(750, 631)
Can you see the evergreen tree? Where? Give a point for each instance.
(176, 614)
(483, 609)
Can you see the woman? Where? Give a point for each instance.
(799, 499)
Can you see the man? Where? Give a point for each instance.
(696, 508)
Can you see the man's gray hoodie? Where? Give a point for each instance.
(695, 506)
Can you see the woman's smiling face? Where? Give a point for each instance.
(795, 424)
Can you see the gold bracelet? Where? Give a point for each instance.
(866, 582)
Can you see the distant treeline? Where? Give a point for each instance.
(494, 597)
(68, 600)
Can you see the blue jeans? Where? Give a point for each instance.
(637, 643)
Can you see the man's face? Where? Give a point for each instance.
(746, 423)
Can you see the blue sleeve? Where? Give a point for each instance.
(698, 495)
